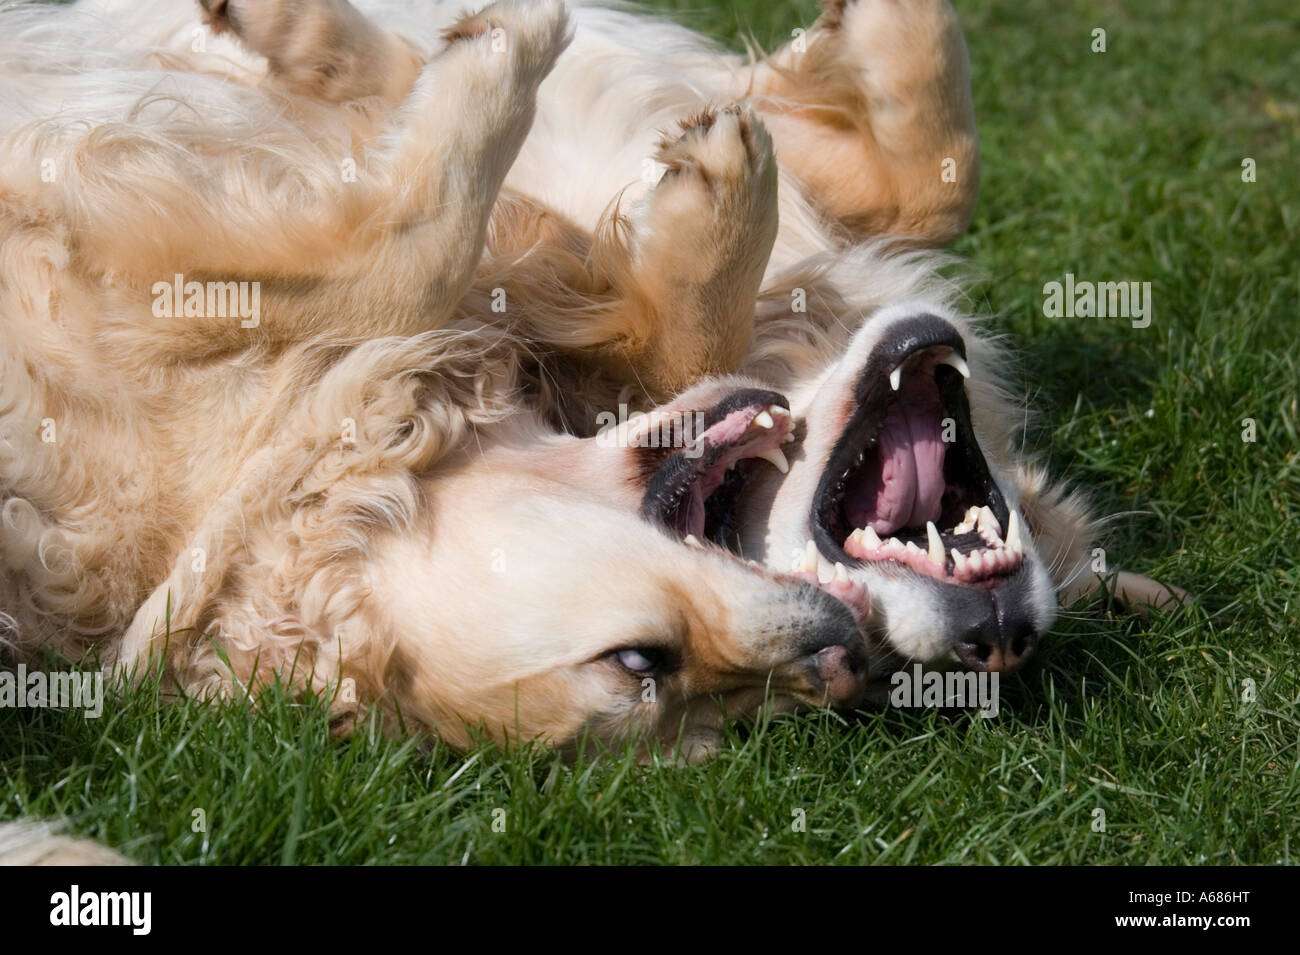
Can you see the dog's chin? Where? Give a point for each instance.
(908, 504)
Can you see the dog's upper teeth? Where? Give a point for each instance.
(936, 544)
(805, 560)
(1013, 532)
(692, 541)
(825, 570)
(764, 420)
(956, 361)
(810, 556)
(987, 522)
(776, 459)
(896, 378)
(778, 412)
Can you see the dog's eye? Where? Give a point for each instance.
(640, 659)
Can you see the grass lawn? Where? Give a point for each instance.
(1123, 165)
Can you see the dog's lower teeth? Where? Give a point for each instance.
(948, 564)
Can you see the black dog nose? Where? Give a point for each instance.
(1000, 642)
(833, 652)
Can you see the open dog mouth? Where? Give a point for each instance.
(907, 485)
(708, 458)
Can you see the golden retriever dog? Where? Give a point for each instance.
(868, 116)
(294, 299)
(247, 425)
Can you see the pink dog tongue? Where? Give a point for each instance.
(911, 454)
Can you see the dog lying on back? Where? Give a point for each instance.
(352, 491)
(365, 487)
(873, 131)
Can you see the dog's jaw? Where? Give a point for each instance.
(913, 615)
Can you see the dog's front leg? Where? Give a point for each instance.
(438, 176)
(394, 250)
(686, 264)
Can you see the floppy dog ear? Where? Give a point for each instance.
(275, 592)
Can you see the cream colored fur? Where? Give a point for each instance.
(263, 501)
(357, 493)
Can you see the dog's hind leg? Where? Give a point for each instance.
(872, 110)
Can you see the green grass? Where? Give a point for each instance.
(1123, 165)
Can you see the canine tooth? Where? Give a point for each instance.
(956, 361)
(776, 459)
(988, 522)
(810, 556)
(870, 538)
(936, 544)
(692, 541)
(896, 377)
(764, 420)
(778, 412)
(841, 573)
(1013, 532)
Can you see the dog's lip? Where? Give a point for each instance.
(746, 426)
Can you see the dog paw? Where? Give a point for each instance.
(325, 49)
(888, 45)
(727, 151)
(718, 189)
(272, 28)
(532, 35)
(700, 241)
